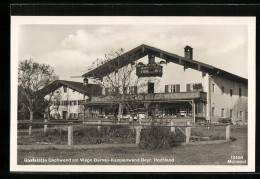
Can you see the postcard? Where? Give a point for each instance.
(132, 94)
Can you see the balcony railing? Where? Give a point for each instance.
(153, 97)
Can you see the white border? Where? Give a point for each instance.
(250, 22)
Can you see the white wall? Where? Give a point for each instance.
(224, 101)
(69, 95)
(172, 74)
(175, 74)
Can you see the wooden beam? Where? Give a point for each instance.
(142, 49)
(161, 54)
(199, 67)
(180, 61)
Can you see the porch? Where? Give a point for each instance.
(182, 106)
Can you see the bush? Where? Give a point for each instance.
(114, 134)
(225, 120)
(156, 137)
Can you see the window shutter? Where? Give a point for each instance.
(135, 89)
(177, 88)
(166, 89)
(106, 91)
(188, 87)
(125, 90)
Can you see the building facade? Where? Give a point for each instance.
(67, 97)
(165, 85)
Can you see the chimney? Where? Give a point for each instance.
(151, 59)
(188, 52)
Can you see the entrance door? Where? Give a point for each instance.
(64, 114)
(150, 87)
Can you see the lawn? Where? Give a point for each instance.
(81, 135)
(217, 154)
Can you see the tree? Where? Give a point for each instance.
(23, 112)
(121, 84)
(32, 77)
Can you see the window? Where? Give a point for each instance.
(197, 87)
(231, 113)
(231, 92)
(56, 103)
(73, 102)
(222, 89)
(172, 88)
(194, 87)
(212, 111)
(125, 90)
(240, 92)
(241, 115)
(222, 112)
(64, 103)
(212, 88)
(132, 89)
(80, 102)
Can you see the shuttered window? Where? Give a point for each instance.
(212, 111)
(177, 88)
(166, 89)
(172, 88)
(188, 88)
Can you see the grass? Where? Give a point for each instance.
(213, 133)
(81, 135)
(216, 154)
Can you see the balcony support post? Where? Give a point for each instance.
(193, 110)
(84, 109)
(119, 111)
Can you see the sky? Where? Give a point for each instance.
(70, 49)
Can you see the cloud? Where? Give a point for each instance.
(210, 43)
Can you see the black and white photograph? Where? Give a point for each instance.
(132, 94)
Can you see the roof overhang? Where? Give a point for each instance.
(59, 83)
(143, 50)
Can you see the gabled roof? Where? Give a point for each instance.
(143, 50)
(88, 89)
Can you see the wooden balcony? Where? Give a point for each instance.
(154, 97)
